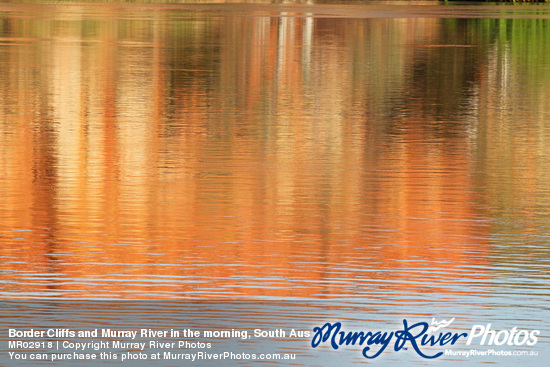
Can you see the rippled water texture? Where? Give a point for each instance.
(361, 154)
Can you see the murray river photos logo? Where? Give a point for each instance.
(420, 337)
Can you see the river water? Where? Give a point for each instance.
(386, 157)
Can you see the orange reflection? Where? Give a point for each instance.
(232, 157)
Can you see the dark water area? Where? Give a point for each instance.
(391, 158)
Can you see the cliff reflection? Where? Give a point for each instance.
(257, 156)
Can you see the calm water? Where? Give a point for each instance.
(386, 157)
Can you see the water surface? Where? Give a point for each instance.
(391, 157)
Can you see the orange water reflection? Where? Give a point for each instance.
(245, 157)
